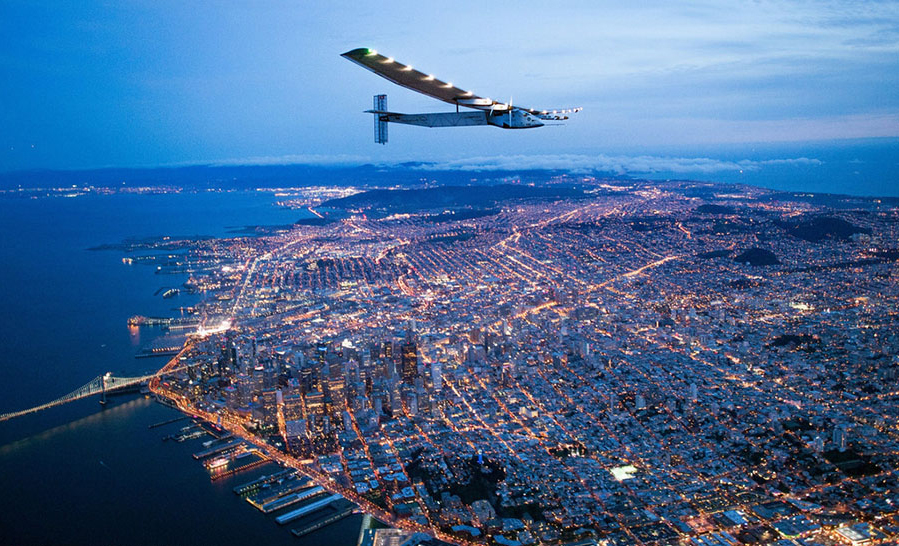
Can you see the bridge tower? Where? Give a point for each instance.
(103, 388)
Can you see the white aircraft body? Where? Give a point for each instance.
(486, 111)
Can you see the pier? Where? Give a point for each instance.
(217, 449)
(252, 486)
(294, 498)
(334, 518)
(233, 471)
(170, 421)
(275, 492)
(139, 320)
(308, 509)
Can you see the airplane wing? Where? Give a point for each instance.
(427, 84)
(556, 115)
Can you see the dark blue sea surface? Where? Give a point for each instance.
(862, 167)
(76, 474)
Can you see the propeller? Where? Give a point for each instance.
(508, 106)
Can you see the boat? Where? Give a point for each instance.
(218, 463)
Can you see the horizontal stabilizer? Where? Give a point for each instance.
(385, 112)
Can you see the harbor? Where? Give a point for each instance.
(139, 320)
(290, 499)
(56, 454)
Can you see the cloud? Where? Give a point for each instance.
(572, 163)
(619, 164)
(337, 160)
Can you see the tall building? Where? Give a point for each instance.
(293, 407)
(315, 403)
(409, 361)
(437, 375)
(244, 389)
(818, 444)
(413, 404)
(337, 388)
(378, 405)
(321, 353)
(270, 407)
(227, 361)
(295, 429)
(839, 438)
(308, 378)
(269, 377)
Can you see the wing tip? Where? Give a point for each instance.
(359, 52)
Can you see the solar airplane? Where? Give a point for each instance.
(486, 111)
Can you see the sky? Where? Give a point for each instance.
(129, 83)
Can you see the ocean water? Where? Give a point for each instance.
(79, 474)
(862, 167)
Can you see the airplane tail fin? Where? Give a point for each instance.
(379, 104)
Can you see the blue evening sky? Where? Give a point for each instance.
(130, 83)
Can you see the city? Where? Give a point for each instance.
(583, 361)
(265, 283)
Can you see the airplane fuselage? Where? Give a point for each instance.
(516, 119)
(503, 120)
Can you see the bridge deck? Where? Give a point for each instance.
(100, 384)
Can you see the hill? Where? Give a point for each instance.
(822, 227)
(450, 197)
(757, 256)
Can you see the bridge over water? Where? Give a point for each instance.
(101, 385)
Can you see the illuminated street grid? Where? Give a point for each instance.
(579, 370)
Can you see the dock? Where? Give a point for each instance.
(292, 497)
(334, 518)
(249, 487)
(217, 449)
(138, 320)
(161, 351)
(170, 421)
(308, 509)
(185, 433)
(275, 492)
(289, 499)
(233, 471)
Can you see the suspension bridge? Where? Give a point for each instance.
(102, 385)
